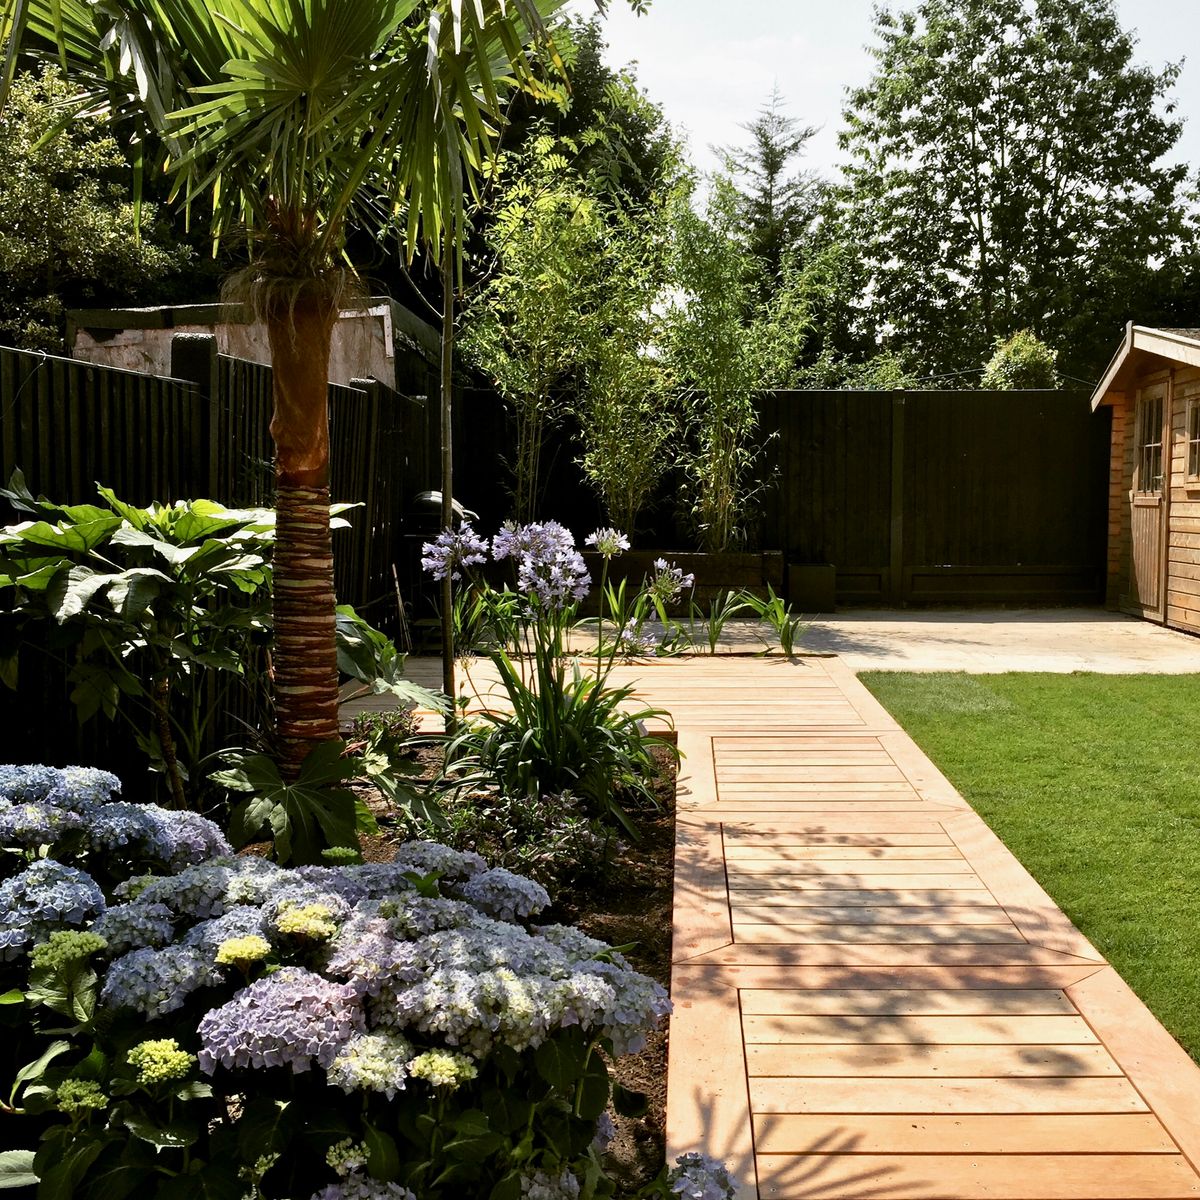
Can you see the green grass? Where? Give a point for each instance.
(1093, 782)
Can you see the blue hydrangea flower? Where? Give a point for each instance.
(292, 1018)
(29, 824)
(699, 1177)
(44, 897)
(504, 895)
(157, 982)
(135, 926)
(541, 1185)
(25, 784)
(425, 858)
(244, 920)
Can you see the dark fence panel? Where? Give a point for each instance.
(940, 497)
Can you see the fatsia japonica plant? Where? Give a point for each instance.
(227, 1028)
(161, 617)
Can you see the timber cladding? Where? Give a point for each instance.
(942, 497)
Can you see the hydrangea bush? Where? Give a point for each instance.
(244, 1029)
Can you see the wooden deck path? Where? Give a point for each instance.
(872, 997)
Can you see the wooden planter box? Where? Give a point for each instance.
(715, 573)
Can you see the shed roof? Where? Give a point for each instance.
(1141, 342)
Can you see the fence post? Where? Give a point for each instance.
(895, 591)
(372, 395)
(194, 359)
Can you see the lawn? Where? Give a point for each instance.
(1093, 781)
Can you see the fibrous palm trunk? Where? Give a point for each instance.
(305, 663)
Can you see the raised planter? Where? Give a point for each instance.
(715, 573)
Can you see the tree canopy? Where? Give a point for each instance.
(1006, 172)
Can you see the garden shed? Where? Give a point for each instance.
(1152, 386)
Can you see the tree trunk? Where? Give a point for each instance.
(305, 658)
(447, 426)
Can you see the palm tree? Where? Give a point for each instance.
(290, 119)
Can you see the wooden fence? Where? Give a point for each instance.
(940, 497)
(204, 432)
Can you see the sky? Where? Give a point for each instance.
(712, 63)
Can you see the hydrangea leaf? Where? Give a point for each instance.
(16, 1169)
(174, 1136)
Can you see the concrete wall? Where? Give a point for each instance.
(364, 341)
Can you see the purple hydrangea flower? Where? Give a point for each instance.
(44, 897)
(542, 1185)
(29, 783)
(243, 920)
(363, 1187)
(452, 550)
(292, 1018)
(424, 858)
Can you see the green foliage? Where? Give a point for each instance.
(777, 614)
(568, 732)
(145, 606)
(1021, 361)
(301, 817)
(629, 426)
(160, 616)
(724, 348)
(1006, 172)
(67, 218)
(775, 207)
(551, 839)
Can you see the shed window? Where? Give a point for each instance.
(1193, 439)
(1149, 443)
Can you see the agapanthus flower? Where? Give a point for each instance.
(541, 1185)
(550, 570)
(452, 550)
(372, 1062)
(157, 982)
(699, 1177)
(443, 1068)
(78, 1096)
(160, 1060)
(44, 897)
(503, 895)
(292, 1018)
(135, 925)
(607, 542)
(669, 581)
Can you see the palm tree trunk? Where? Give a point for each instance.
(305, 660)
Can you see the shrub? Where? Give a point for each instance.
(241, 1029)
(1021, 361)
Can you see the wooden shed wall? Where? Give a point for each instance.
(1183, 515)
(1182, 543)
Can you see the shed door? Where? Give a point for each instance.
(1147, 593)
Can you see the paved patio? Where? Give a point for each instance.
(990, 640)
(872, 997)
